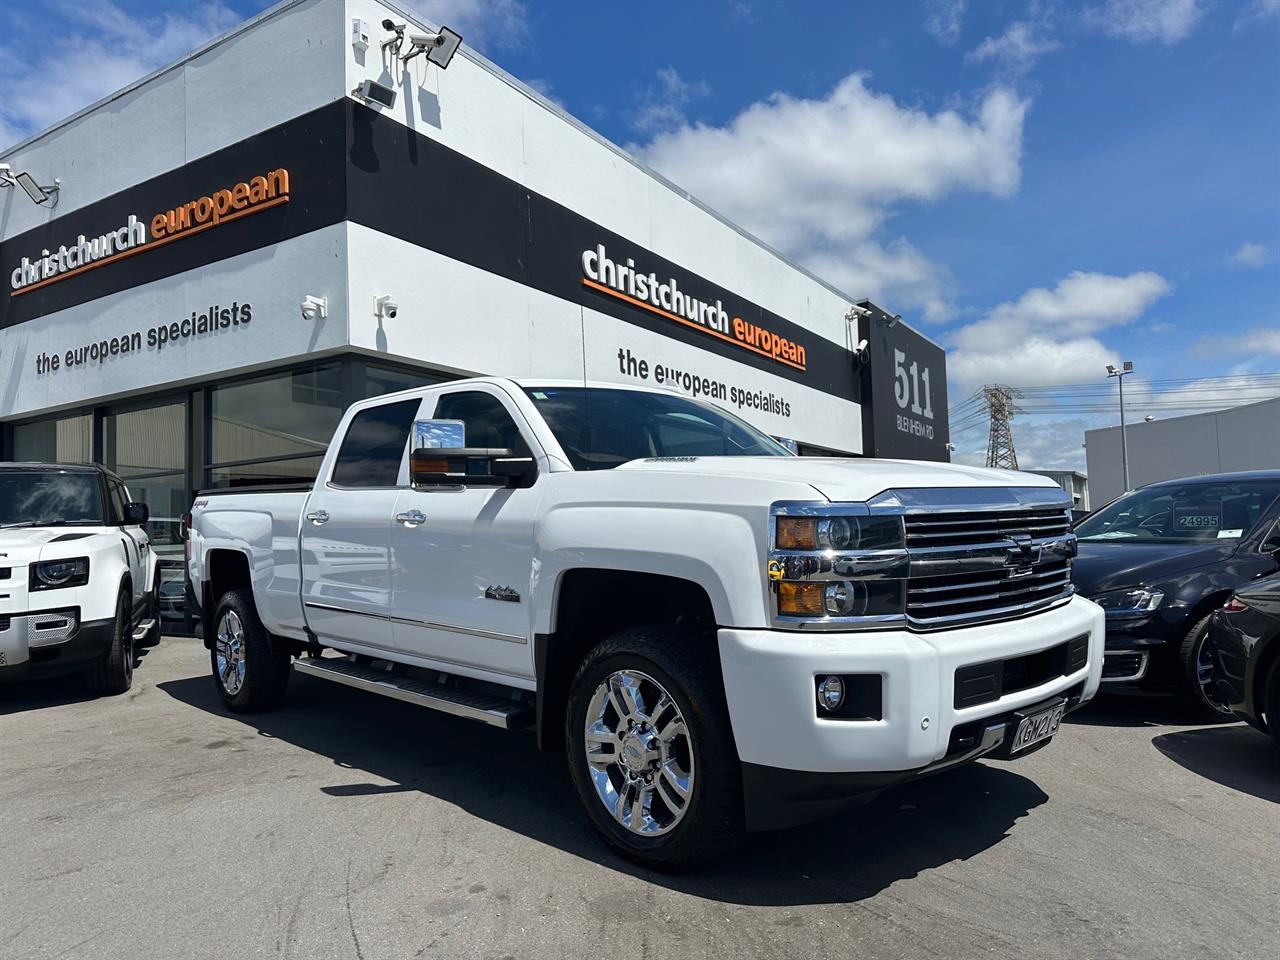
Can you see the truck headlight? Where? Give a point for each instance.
(839, 533)
(53, 574)
(833, 570)
(1135, 602)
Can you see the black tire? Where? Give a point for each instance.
(679, 660)
(112, 673)
(1199, 701)
(261, 684)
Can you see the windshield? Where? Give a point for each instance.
(37, 498)
(1190, 512)
(600, 428)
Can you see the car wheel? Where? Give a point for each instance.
(248, 672)
(113, 673)
(1199, 694)
(650, 748)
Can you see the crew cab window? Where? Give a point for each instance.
(488, 422)
(371, 451)
(1187, 512)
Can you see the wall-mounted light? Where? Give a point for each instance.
(315, 308)
(45, 196)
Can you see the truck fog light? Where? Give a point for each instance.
(830, 693)
(845, 599)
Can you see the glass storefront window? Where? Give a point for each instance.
(147, 447)
(382, 380)
(280, 415)
(293, 470)
(59, 440)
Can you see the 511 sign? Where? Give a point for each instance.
(914, 394)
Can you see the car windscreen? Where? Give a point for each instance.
(50, 497)
(1189, 512)
(600, 428)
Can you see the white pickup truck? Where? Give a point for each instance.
(720, 635)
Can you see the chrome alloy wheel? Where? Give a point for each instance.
(639, 753)
(1205, 677)
(230, 653)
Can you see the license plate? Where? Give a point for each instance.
(1037, 727)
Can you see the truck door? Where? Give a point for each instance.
(346, 526)
(462, 556)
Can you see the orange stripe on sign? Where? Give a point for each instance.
(617, 295)
(152, 245)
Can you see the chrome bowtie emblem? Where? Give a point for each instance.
(1023, 555)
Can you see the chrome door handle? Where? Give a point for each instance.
(318, 517)
(412, 517)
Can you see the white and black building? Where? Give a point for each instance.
(246, 241)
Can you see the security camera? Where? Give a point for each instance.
(893, 321)
(856, 311)
(385, 307)
(860, 353)
(315, 308)
(439, 47)
(397, 35)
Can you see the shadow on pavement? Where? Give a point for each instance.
(1116, 710)
(502, 778)
(66, 688)
(1238, 757)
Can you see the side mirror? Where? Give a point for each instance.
(470, 467)
(136, 514)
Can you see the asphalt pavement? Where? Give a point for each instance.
(344, 825)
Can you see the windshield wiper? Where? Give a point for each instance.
(35, 523)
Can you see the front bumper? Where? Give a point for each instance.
(770, 676)
(49, 642)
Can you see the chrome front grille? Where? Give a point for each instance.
(984, 565)
(950, 529)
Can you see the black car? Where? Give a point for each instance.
(1160, 560)
(1245, 637)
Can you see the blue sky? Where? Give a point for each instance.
(1042, 187)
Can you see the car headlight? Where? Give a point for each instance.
(53, 574)
(838, 569)
(1139, 600)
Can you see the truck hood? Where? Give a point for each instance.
(23, 545)
(843, 479)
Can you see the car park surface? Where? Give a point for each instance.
(156, 824)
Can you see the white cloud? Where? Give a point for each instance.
(85, 52)
(1146, 21)
(1017, 49)
(1047, 336)
(1258, 342)
(484, 24)
(943, 19)
(1257, 10)
(662, 107)
(1250, 255)
(818, 178)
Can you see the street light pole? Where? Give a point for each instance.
(1127, 367)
